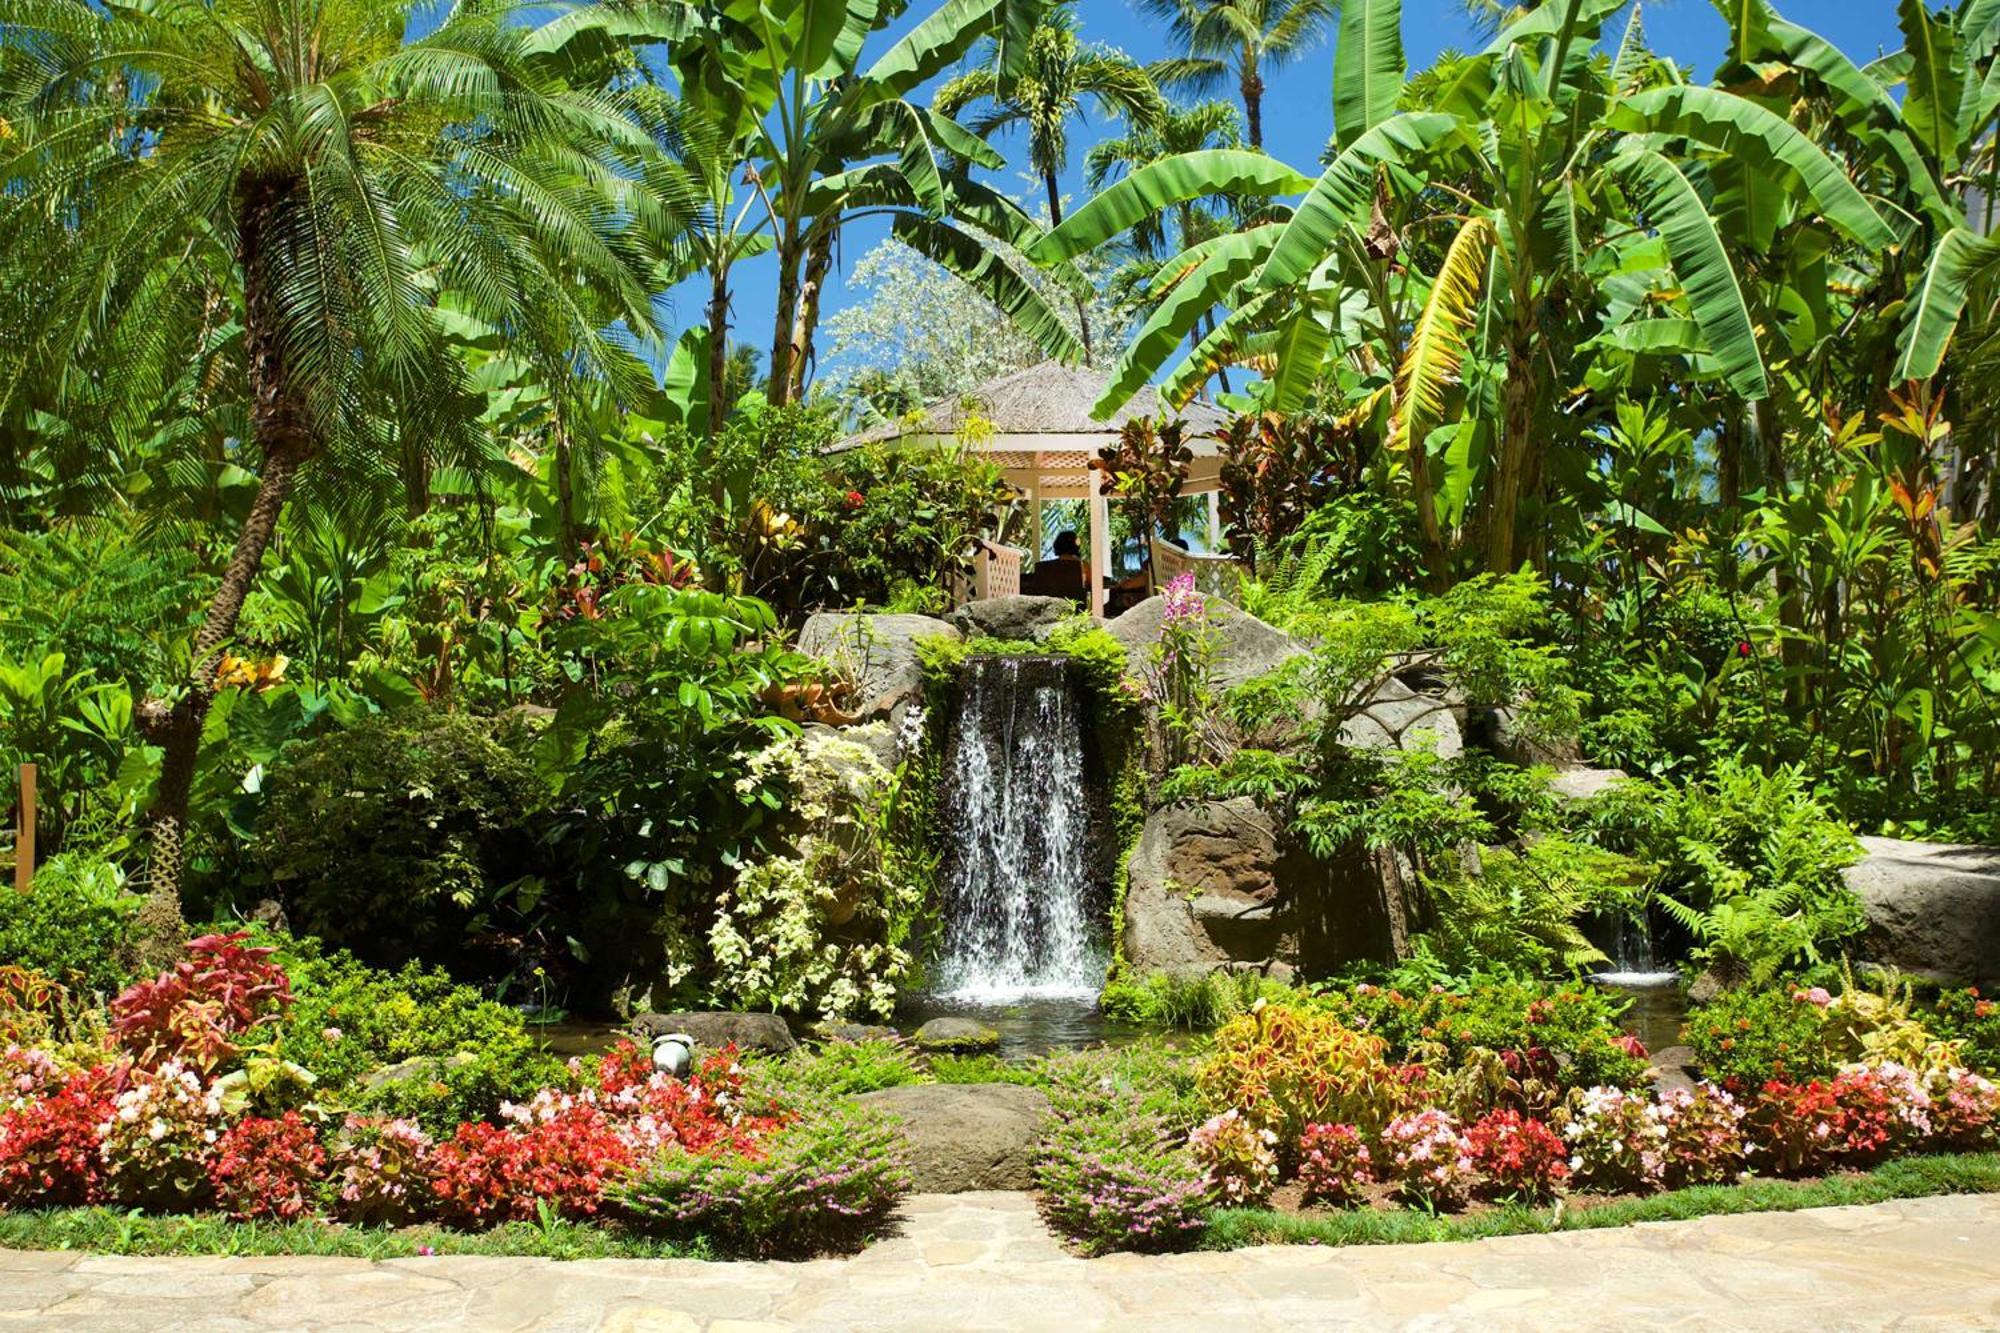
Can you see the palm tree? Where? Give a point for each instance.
(1245, 37)
(324, 175)
(1060, 75)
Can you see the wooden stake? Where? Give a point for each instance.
(24, 842)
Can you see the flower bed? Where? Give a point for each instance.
(1296, 1109)
(185, 1107)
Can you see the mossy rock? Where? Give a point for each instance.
(956, 1036)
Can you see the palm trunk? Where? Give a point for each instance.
(1517, 428)
(1055, 220)
(819, 262)
(718, 346)
(283, 431)
(1253, 99)
(780, 388)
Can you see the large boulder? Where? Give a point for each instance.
(966, 1136)
(1933, 908)
(1582, 784)
(1205, 889)
(877, 652)
(1402, 718)
(1014, 618)
(1245, 647)
(750, 1032)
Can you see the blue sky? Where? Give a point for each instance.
(1298, 108)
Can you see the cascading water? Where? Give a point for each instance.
(1017, 872)
(1628, 942)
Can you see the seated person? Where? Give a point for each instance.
(1062, 576)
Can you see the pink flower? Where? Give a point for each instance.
(1816, 996)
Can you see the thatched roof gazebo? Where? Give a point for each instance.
(1036, 425)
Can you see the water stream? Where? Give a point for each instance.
(1017, 911)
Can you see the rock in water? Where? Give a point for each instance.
(966, 1136)
(1933, 908)
(956, 1036)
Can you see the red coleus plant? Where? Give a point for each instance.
(195, 1013)
(1519, 1155)
(268, 1168)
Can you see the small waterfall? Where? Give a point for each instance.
(1017, 869)
(1628, 942)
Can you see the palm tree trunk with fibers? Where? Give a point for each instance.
(280, 424)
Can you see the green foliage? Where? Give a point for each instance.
(1566, 1034)
(764, 507)
(399, 836)
(380, 1017)
(74, 928)
(1521, 910)
(1965, 1016)
(1196, 1003)
(1147, 1078)
(1748, 1035)
(843, 1068)
(1749, 863)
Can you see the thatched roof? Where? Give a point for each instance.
(1050, 399)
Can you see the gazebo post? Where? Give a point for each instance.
(1215, 522)
(1100, 542)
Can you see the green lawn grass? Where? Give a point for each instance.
(108, 1231)
(1908, 1178)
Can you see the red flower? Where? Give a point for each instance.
(855, 499)
(1743, 648)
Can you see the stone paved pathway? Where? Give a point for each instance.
(983, 1261)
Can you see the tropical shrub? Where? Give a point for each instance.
(1334, 1164)
(75, 927)
(1549, 1037)
(823, 1183)
(397, 835)
(1286, 1067)
(266, 1168)
(347, 1020)
(823, 926)
(1239, 1158)
(1429, 1157)
(1747, 1036)
(1517, 1155)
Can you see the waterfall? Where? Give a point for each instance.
(1628, 942)
(1017, 865)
